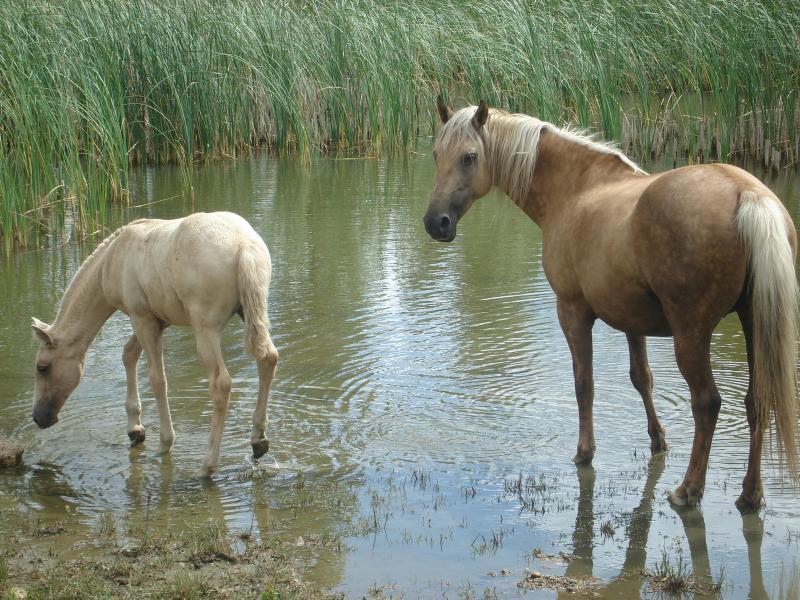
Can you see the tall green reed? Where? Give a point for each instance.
(90, 88)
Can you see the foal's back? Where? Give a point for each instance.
(180, 270)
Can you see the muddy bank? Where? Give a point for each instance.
(175, 564)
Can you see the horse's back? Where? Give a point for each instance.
(183, 269)
(223, 230)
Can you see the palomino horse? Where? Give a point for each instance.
(664, 254)
(197, 271)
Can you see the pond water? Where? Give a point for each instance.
(422, 414)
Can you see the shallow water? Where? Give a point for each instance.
(422, 415)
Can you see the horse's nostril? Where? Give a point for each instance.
(444, 224)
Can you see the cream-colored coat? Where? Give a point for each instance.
(198, 271)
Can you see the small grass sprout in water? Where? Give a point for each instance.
(106, 528)
(671, 577)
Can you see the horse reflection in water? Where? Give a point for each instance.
(668, 254)
(630, 581)
(198, 271)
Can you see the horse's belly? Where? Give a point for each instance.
(638, 314)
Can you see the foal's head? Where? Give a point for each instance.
(58, 372)
(463, 172)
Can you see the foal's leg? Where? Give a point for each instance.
(692, 353)
(642, 379)
(219, 388)
(133, 406)
(576, 320)
(752, 495)
(148, 331)
(266, 371)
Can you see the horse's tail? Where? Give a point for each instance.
(773, 292)
(255, 271)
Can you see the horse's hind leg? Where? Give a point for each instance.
(266, 372)
(577, 319)
(133, 406)
(692, 353)
(752, 495)
(642, 379)
(219, 387)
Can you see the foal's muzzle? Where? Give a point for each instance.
(440, 226)
(44, 418)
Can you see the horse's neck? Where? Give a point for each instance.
(563, 172)
(84, 307)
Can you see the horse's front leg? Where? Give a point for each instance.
(642, 379)
(266, 372)
(148, 331)
(133, 406)
(219, 388)
(577, 320)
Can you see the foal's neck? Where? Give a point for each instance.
(84, 307)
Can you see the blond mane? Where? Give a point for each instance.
(512, 142)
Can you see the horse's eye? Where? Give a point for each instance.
(469, 158)
(43, 368)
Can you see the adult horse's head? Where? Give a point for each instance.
(463, 172)
(59, 368)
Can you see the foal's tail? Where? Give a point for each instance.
(762, 225)
(255, 271)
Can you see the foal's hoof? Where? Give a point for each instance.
(136, 436)
(206, 472)
(260, 448)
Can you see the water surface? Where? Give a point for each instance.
(424, 400)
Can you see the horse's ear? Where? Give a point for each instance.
(445, 112)
(40, 330)
(481, 115)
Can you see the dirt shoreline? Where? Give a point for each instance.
(173, 565)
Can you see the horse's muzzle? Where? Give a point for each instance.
(440, 226)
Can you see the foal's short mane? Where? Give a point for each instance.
(512, 141)
(77, 283)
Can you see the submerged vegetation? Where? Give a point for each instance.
(89, 88)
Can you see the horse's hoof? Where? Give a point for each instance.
(136, 436)
(659, 446)
(680, 497)
(677, 499)
(260, 448)
(583, 458)
(748, 504)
